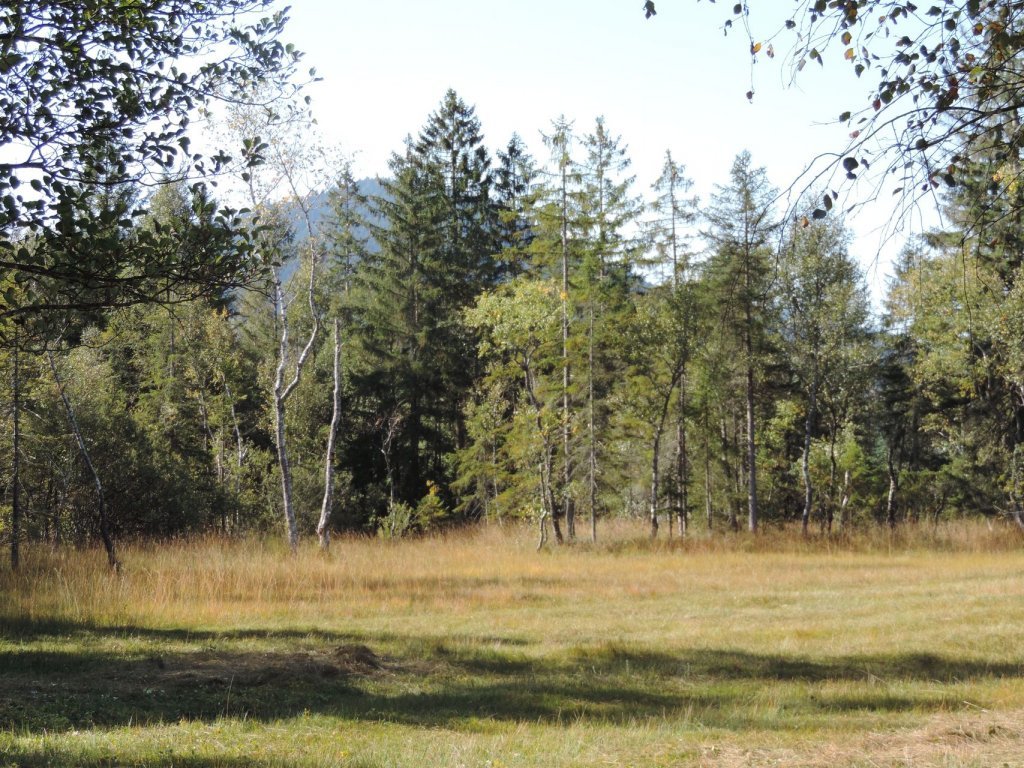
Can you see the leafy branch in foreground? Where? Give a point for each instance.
(945, 85)
(115, 86)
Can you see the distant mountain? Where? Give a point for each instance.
(320, 212)
(321, 209)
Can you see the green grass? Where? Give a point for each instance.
(474, 650)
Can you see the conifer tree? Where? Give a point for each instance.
(438, 247)
(610, 210)
(675, 215)
(554, 252)
(740, 223)
(514, 179)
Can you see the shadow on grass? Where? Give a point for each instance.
(31, 758)
(65, 676)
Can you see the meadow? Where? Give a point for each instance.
(472, 649)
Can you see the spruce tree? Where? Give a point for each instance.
(610, 210)
(740, 223)
(671, 230)
(437, 253)
(514, 179)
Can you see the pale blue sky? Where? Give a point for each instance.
(671, 82)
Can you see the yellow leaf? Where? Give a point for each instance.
(849, 55)
(847, 37)
(755, 47)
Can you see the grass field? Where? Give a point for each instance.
(474, 650)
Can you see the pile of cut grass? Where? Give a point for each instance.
(472, 649)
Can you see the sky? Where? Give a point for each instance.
(673, 82)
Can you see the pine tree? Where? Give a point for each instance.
(739, 227)
(675, 215)
(438, 247)
(609, 210)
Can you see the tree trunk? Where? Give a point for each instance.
(566, 375)
(890, 502)
(282, 393)
(547, 463)
(654, 484)
(682, 463)
(286, 471)
(833, 471)
(591, 427)
(108, 541)
(845, 500)
(727, 471)
(812, 402)
(752, 512)
(239, 446)
(709, 509)
(16, 457)
(322, 529)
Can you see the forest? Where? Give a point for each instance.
(516, 338)
(509, 457)
(483, 334)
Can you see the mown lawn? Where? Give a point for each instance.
(475, 650)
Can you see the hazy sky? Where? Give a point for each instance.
(670, 82)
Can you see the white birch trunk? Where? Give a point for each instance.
(282, 392)
(322, 529)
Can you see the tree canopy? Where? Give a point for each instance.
(97, 97)
(943, 78)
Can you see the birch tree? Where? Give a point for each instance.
(824, 313)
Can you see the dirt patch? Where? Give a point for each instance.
(212, 669)
(357, 659)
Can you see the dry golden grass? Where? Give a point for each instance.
(471, 648)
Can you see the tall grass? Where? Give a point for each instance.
(471, 648)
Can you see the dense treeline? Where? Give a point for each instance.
(519, 337)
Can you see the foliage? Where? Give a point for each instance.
(98, 96)
(944, 80)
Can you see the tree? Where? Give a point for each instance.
(670, 230)
(658, 340)
(740, 223)
(85, 79)
(608, 210)
(347, 236)
(438, 245)
(513, 184)
(675, 214)
(554, 251)
(519, 330)
(947, 83)
(824, 312)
